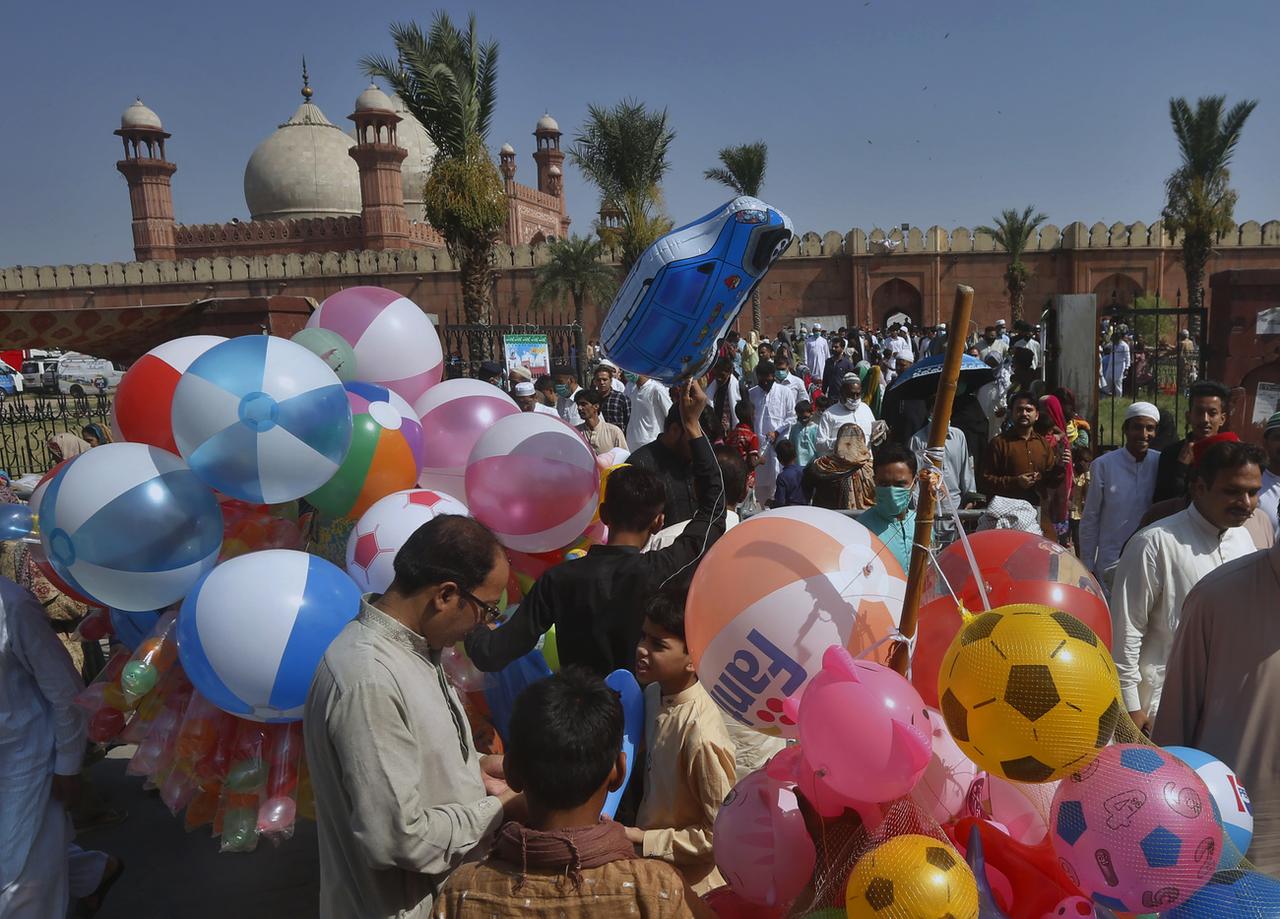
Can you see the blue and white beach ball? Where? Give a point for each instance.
(1233, 809)
(129, 525)
(262, 419)
(251, 634)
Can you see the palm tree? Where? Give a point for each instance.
(623, 152)
(1012, 232)
(575, 271)
(1201, 203)
(447, 79)
(742, 169)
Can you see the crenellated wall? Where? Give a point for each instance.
(266, 237)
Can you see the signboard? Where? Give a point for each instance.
(1266, 402)
(529, 351)
(1269, 321)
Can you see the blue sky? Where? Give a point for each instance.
(875, 112)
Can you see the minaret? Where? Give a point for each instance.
(147, 171)
(507, 166)
(378, 156)
(548, 153)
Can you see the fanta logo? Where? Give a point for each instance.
(749, 679)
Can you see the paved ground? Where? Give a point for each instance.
(172, 873)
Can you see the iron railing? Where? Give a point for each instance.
(466, 345)
(28, 420)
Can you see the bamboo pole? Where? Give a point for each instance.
(940, 420)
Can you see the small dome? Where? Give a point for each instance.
(547, 123)
(554, 170)
(411, 135)
(303, 170)
(373, 100)
(139, 116)
(508, 149)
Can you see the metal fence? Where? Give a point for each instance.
(27, 421)
(466, 344)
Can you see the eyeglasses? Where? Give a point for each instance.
(489, 612)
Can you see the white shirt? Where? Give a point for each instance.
(1119, 363)
(42, 731)
(567, 408)
(900, 346)
(796, 382)
(836, 417)
(732, 395)
(771, 411)
(1120, 490)
(957, 464)
(543, 408)
(649, 407)
(1157, 570)
(816, 352)
(1269, 497)
(618, 385)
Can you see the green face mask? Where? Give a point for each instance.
(892, 499)
(629, 376)
(781, 375)
(562, 390)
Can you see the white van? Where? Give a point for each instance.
(33, 372)
(81, 375)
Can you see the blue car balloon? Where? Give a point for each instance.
(688, 287)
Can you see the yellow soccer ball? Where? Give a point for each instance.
(911, 877)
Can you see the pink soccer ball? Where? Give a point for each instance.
(761, 845)
(454, 414)
(385, 527)
(533, 481)
(395, 343)
(1135, 829)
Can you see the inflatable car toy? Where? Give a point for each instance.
(686, 289)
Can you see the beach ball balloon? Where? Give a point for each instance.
(130, 526)
(331, 348)
(385, 527)
(1029, 693)
(385, 454)
(142, 409)
(911, 877)
(533, 481)
(773, 594)
(454, 414)
(261, 419)
(1234, 811)
(395, 344)
(1134, 830)
(761, 845)
(252, 632)
(943, 789)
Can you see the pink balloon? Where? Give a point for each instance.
(533, 481)
(1021, 809)
(943, 790)
(864, 730)
(761, 845)
(277, 814)
(454, 414)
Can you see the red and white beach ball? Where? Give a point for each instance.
(141, 410)
(454, 414)
(395, 343)
(534, 481)
(385, 527)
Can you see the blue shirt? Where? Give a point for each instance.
(897, 535)
(788, 490)
(804, 437)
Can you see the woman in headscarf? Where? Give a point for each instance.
(873, 388)
(95, 435)
(1056, 502)
(65, 445)
(844, 479)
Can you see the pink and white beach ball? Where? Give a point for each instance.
(395, 343)
(534, 481)
(454, 414)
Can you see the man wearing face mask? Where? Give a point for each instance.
(566, 388)
(850, 409)
(891, 517)
(773, 407)
(784, 375)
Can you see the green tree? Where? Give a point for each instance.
(742, 169)
(1200, 203)
(448, 79)
(575, 271)
(623, 152)
(1012, 232)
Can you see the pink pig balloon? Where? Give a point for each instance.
(761, 845)
(864, 730)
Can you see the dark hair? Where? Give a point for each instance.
(824, 402)
(634, 497)
(839, 338)
(1024, 396)
(448, 548)
(1206, 389)
(545, 383)
(733, 471)
(722, 363)
(587, 395)
(766, 367)
(785, 450)
(1226, 456)
(892, 452)
(561, 370)
(599, 369)
(732, 336)
(744, 412)
(565, 735)
(804, 405)
(665, 609)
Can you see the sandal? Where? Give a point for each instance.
(89, 906)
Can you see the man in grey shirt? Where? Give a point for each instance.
(402, 796)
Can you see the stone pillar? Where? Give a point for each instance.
(378, 157)
(147, 172)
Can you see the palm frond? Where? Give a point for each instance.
(743, 168)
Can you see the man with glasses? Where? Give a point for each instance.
(401, 793)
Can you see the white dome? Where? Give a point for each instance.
(411, 135)
(373, 100)
(547, 123)
(508, 149)
(138, 115)
(303, 170)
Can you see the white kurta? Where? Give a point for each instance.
(816, 352)
(1118, 365)
(1120, 490)
(649, 407)
(1157, 570)
(568, 409)
(771, 411)
(42, 732)
(836, 417)
(1269, 497)
(544, 409)
(732, 394)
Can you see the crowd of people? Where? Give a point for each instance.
(1181, 539)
